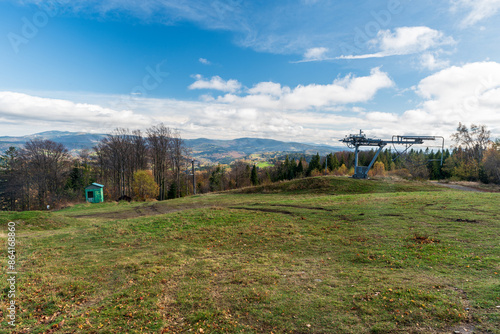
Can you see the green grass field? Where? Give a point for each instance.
(264, 164)
(318, 255)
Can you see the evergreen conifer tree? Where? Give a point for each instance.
(299, 169)
(314, 164)
(254, 178)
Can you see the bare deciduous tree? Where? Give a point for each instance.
(240, 174)
(119, 156)
(44, 165)
(474, 141)
(177, 155)
(159, 140)
(491, 163)
(140, 148)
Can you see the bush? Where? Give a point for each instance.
(342, 170)
(402, 173)
(378, 169)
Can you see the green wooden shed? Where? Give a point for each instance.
(94, 193)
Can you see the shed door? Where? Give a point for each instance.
(98, 196)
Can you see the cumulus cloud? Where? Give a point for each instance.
(17, 106)
(270, 95)
(342, 91)
(271, 110)
(346, 90)
(477, 10)
(377, 116)
(457, 82)
(467, 94)
(266, 88)
(267, 109)
(244, 121)
(404, 41)
(215, 83)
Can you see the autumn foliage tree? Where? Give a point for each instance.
(144, 185)
(122, 153)
(470, 146)
(378, 169)
(119, 156)
(491, 163)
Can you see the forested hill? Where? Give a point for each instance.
(208, 150)
(73, 141)
(224, 151)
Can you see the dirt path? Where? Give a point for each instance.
(139, 211)
(459, 187)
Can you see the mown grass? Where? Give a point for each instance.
(347, 256)
(264, 164)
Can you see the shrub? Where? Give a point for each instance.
(378, 169)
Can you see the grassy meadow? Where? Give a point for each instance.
(317, 255)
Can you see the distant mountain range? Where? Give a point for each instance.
(73, 141)
(203, 149)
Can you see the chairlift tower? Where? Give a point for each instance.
(193, 174)
(357, 140)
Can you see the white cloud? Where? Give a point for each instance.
(404, 41)
(350, 89)
(407, 40)
(273, 96)
(315, 54)
(458, 82)
(37, 110)
(429, 61)
(378, 116)
(478, 10)
(266, 88)
(216, 83)
(204, 61)
(267, 110)
(342, 91)
(467, 94)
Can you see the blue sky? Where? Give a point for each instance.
(305, 70)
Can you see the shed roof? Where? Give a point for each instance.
(94, 185)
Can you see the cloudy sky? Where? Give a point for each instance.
(303, 70)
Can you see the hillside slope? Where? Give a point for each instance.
(361, 257)
(203, 149)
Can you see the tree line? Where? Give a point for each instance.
(119, 156)
(155, 164)
(473, 157)
(128, 163)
